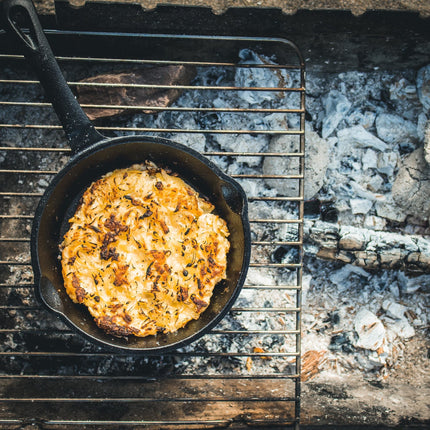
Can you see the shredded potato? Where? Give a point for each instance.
(143, 252)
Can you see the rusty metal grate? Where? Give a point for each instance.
(247, 370)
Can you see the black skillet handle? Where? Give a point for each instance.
(79, 130)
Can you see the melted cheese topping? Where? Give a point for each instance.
(143, 252)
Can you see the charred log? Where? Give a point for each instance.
(368, 248)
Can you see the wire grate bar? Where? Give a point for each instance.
(251, 360)
(144, 400)
(152, 62)
(253, 287)
(214, 332)
(168, 87)
(233, 309)
(19, 194)
(115, 423)
(207, 154)
(226, 376)
(136, 423)
(161, 130)
(262, 265)
(254, 243)
(28, 172)
(175, 354)
(25, 149)
(241, 176)
(278, 221)
(158, 108)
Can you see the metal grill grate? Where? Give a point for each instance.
(247, 370)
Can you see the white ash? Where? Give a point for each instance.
(370, 330)
(360, 206)
(385, 121)
(411, 186)
(336, 107)
(358, 137)
(253, 77)
(396, 130)
(316, 162)
(351, 116)
(362, 319)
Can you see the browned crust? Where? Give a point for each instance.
(114, 225)
(199, 303)
(110, 326)
(79, 291)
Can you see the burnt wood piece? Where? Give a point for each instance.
(367, 248)
(119, 95)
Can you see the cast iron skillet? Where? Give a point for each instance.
(94, 155)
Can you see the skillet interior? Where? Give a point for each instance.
(61, 199)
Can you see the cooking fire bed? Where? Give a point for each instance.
(247, 94)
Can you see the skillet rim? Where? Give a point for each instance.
(103, 144)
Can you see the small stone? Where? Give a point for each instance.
(413, 258)
(389, 209)
(387, 163)
(395, 130)
(364, 193)
(375, 183)
(403, 329)
(424, 259)
(358, 136)
(360, 206)
(43, 183)
(394, 310)
(369, 159)
(370, 363)
(370, 330)
(342, 205)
